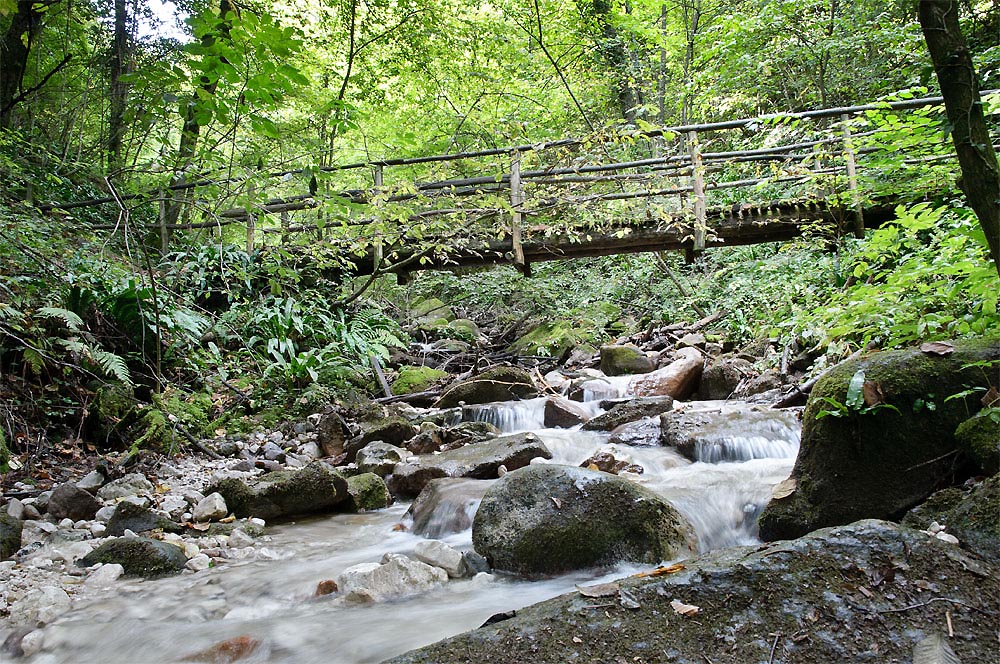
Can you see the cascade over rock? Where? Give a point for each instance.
(494, 384)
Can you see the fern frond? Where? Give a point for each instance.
(34, 360)
(70, 319)
(9, 313)
(112, 365)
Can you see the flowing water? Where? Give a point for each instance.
(742, 454)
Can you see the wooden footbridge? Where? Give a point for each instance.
(684, 188)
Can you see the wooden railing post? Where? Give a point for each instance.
(852, 178)
(516, 201)
(378, 176)
(698, 187)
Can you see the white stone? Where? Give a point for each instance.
(174, 505)
(33, 642)
(141, 501)
(66, 524)
(192, 497)
(946, 537)
(132, 484)
(98, 530)
(105, 513)
(82, 524)
(105, 575)
(239, 539)
(439, 554)
(310, 450)
(199, 563)
(40, 606)
(6, 567)
(211, 507)
(395, 577)
(15, 508)
(72, 551)
(258, 522)
(128, 534)
(190, 549)
(92, 481)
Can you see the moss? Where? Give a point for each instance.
(238, 495)
(368, 492)
(554, 338)
(979, 437)
(431, 309)
(416, 379)
(878, 464)
(622, 360)
(139, 556)
(112, 412)
(495, 384)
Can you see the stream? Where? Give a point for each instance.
(271, 598)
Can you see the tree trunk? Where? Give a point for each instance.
(980, 180)
(15, 45)
(120, 64)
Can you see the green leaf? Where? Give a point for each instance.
(855, 391)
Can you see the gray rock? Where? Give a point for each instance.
(332, 434)
(630, 411)
(475, 563)
(971, 516)
(92, 481)
(732, 432)
(273, 452)
(68, 501)
(198, 563)
(138, 556)
(128, 516)
(379, 458)
(563, 413)
(40, 606)
(105, 513)
(15, 509)
(132, 484)
(314, 488)
(480, 461)
(446, 505)
(641, 433)
(624, 360)
(396, 576)
(439, 554)
(210, 508)
(547, 519)
(105, 575)
(722, 376)
(495, 384)
(10, 535)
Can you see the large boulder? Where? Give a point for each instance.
(979, 438)
(546, 519)
(799, 601)
(313, 488)
(479, 461)
(138, 556)
(396, 576)
(971, 516)
(880, 457)
(494, 384)
(722, 376)
(10, 535)
(379, 458)
(624, 360)
(368, 492)
(395, 430)
(416, 379)
(678, 379)
(69, 501)
(629, 411)
(138, 519)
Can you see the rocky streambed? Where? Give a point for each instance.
(303, 546)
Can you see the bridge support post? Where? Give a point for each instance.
(379, 182)
(516, 201)
(852, 178)
(698, 188)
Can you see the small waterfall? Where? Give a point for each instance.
(509, 416)
(606, 387)
(737, 433)
(447, 506)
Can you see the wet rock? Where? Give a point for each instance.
(129, 516)
(273, 452)
(69, 501)
(495, 384)
(395, 430)
(480, 461)
(210, 508)
(395, 576)
(607, 463)
(332, 434)
(679, 379)
(437, 553)
(746, 595)
(430, 439)
(972, 516)
(446, 506)
(624, 360)
(40, 606)
(723, 376)
(314, 488)
(475, 563)
(642, 433)
(12, 644)
(731, 432)
(104, 576)
(138, 556)
(92, 481)
(563, 413)
(10, 535)
(379, 458)
(268, 466)
(979, 438)
(132, 484)
(880, 462)
(467, 433)
(547, 519)
(32, 642)
(326, 587)
(765, 382)
(368, 492)
(228, 651)
(630, 411)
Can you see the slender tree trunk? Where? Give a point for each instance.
(980, 180)
(120, 64)
(15, 45)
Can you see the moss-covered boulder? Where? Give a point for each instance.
(368, 492)
(129, 516)
(629, 411)
(552, 338)
(312, 489)
(139, 556)
(424, 312)
(547, 519)
(495, 384)
(395, 430)
(879, 458)
(973, 516)
(416, 379)
(623, 360)
(10, 535)
(979, 437)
